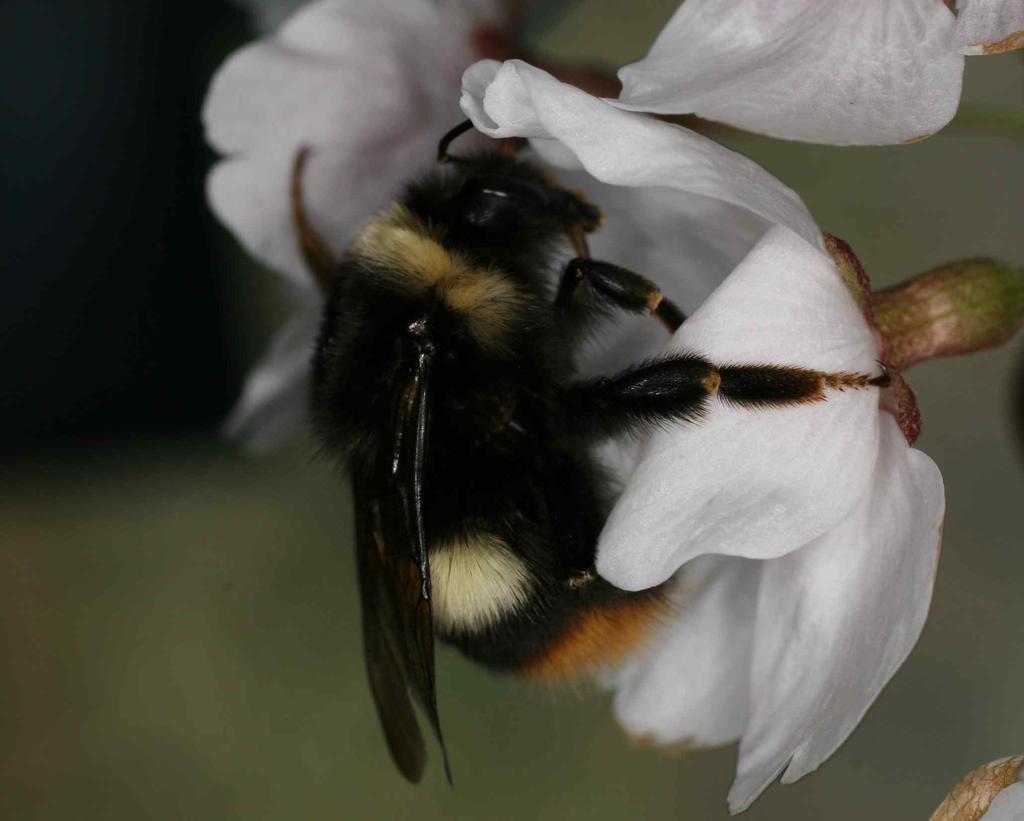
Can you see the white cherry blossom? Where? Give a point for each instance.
(803, 540)
(833, 519)
(869, 72)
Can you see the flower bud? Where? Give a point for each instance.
(971, 799)
(954, 309)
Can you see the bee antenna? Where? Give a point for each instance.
(449, 138)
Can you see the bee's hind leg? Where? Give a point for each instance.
(679, 388)
(315, 252)
(619, 286)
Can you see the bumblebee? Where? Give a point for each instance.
(445, 382)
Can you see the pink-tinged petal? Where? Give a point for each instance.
(274, 405)
(368, 87)
(867, 72)
(749, 482)
(571, 129)
(836, 619)
(690, 686)
(989, 26)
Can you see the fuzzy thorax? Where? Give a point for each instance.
(405, 250)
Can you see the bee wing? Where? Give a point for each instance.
(383, 646)
(394, 581)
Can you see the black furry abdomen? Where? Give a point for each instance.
(547, 500)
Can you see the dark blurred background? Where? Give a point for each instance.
(111, 309)
(178, 622)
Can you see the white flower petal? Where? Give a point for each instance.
(342, 190)
(368, 87)
(274, 406)
(570, 128)
(989, 26)
(836, 619)
(1008, 805)
(337, 70)
(686, 244)
(746, 482)
(849, 72)
(690, 686)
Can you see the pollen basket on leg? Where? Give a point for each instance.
(777, 385)
(476, 581)
(404, 250)
(766, 385)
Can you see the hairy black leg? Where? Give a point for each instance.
(619, 286)
(679, 388)
(661, 390)
(317, 255)
(772, 385)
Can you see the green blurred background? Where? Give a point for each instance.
(179, 622)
